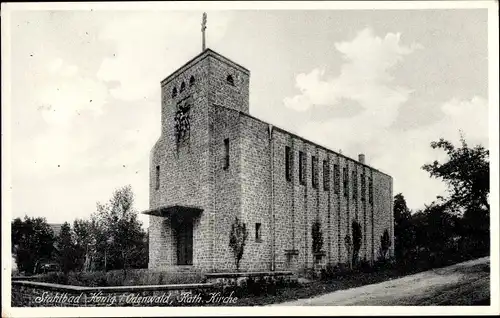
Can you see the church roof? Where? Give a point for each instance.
(304, 139)
(207, 52)
(56, 228)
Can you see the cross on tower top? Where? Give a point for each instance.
(203, 27)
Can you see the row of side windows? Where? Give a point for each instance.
(326, 175)
(314, 171)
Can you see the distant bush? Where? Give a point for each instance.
(121, 278)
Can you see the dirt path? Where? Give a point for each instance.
(466, 283)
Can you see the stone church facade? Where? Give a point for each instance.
(214, 162)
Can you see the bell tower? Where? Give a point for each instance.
(208, 79)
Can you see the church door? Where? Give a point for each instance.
(185, 243)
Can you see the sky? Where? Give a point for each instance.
(85, 91)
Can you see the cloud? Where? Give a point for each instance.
(364, 77)
(402, 153)
(86, 121)
(65, 93)
(366, 80)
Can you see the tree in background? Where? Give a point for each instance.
(404, 231)
(356, 241)
(440, 233)
(83, 238)
(118, 234)
(32, 241)
(237, 240)
(67, 252)
(466, 173)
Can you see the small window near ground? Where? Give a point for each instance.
(258, 234)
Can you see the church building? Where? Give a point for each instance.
(214, 161)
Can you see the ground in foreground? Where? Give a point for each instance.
(461, 284)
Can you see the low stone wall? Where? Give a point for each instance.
(38, 294)
(219, 289)
(240, 278)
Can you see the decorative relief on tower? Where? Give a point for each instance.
(182, 120)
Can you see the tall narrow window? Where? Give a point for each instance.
(363, 187)
(336, 176)
(345, 178)
(226, 153)
(157, 178)
(354, 185)
(288, 163)
(174, 92)
(302, 168)
(191, 81)
(314, 171)
(183, 87)
(258, 234)
(370, 190)
(230, 80)
(326, 175)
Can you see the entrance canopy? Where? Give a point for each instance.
(175, 211)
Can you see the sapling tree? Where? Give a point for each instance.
(237, 240)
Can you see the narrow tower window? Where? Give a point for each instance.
(191, 81)
(226, 153)
(157, 179)
(314, 171)
(370, 190)
(336, 176)
(354, 185)
(174, 92)
(326, 175)
(183, 87)
(346, 182)
(288, 163)
(302, 168)
(230, 80)
(363, 187)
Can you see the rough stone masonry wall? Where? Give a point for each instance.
(296, 206)
(223, 94)
(184, 171)
(255, 192)
(227, 195)
(383, 211)
(188, 173)
(192, 175)
(224, 123)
